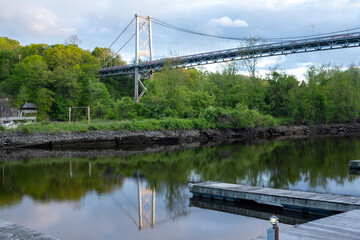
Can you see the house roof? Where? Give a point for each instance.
(29, 105)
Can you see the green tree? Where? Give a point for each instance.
(168, 90)
(278, 94)
(44, 101)
(32, 72)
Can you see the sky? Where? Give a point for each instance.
(99, 22)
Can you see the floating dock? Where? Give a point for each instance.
(354, 164)
(344, 226)
(305, 201)
(11, 231)
(254, 210)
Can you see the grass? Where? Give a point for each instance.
(215, 118)
(113, 125)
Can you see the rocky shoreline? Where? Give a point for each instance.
(122, 139)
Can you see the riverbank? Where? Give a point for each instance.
(11, 140)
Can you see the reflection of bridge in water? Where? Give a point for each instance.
(146, 203)
(145, 206)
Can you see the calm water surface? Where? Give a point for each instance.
(98, 198)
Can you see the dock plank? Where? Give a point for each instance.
(11, 231)
(344, 226)
(304, 199)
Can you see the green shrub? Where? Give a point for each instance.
(92, 128)
(25, 129)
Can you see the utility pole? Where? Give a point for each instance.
(143, 47)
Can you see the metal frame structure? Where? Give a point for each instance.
(143, 47)
(330, 42)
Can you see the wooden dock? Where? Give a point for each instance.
(298, 199)
(11, 231)
(344, 226)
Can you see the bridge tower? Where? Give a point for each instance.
(143, 48)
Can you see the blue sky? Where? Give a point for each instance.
(98, 22)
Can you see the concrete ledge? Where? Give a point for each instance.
(11, 231)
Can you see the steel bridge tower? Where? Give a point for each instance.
(143, 48)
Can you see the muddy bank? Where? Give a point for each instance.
(123, 139)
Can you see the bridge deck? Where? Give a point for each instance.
(307, 200)
(11, 231)
(344, 226)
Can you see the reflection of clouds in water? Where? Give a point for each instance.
(333, 186)
(47, 214)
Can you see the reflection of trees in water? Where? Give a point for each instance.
(176, 203)
(278, 164)
(55, 181)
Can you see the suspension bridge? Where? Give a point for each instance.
(348, 38)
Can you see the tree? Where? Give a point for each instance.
(44, 101)
(252, 47)
(278, 94)
(107, 57)
(32, 73)
(72, 40)
(168, 90)
(63, 56)
(10, 54)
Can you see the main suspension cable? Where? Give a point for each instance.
(118, 36)
(164, 24)
(110, 57)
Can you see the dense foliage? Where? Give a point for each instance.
(58, 76)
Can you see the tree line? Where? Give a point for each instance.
(62, 75)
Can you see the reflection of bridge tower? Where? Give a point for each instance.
(145, 206)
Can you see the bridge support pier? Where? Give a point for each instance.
(136, 86)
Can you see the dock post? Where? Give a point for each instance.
(270, 234)
(273, 233)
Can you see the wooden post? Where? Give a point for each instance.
(88, 114)
(70, 170)
(69, 115)
(3, 174)
(89, 169)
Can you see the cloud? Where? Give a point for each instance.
(227, 22)
(91, 30)
(33, 19)
(105, 30)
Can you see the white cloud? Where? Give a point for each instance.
(270, 61)
(34, 19)
(91, 30)
(227, 22)
(105, 30)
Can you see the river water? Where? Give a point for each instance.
(145, 196)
